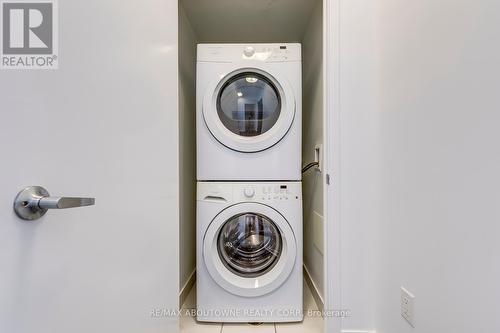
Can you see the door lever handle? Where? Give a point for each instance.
(64, 202)
(34, 201)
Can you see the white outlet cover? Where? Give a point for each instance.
(318, 156)
(407, 306)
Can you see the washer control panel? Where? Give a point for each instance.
(276, 192)
(269, 192)
(233, 192)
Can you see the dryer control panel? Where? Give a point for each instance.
(269, 52)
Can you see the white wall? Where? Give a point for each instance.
(312, 134)
(354, 161)
(244, 21)
(419, 157)
(438, 79)
(187, 147)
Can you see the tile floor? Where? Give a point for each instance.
(188, 324)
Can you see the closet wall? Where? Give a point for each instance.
(187, 151)
(312, 135)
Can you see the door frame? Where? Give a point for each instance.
(331, 159)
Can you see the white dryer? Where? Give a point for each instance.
(249, 252)
(249, 111)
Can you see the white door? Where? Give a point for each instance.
(103, 125)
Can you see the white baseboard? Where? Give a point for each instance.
(314, 289)
(187, 287)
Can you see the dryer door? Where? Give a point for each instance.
(249, 110)
(249, 249)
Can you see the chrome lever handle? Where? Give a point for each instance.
(34, 201)
(64, 202)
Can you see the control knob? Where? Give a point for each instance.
(249, 192)
(248, 51)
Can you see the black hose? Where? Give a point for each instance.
(309, 166)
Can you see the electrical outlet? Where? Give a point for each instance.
(407, 306)
(318, 156)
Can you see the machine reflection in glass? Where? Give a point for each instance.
(249, 244)
(248, 104)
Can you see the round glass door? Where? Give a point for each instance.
(249, 244)
(250, 109)
(249, 249)
(248, 104)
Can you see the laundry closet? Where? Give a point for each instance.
(283, 23)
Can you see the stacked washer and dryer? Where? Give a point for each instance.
(249, 192)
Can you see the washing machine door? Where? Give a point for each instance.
(249, 249)
(249, 110)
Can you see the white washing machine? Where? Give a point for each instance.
(249, 112)
(249, 252)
